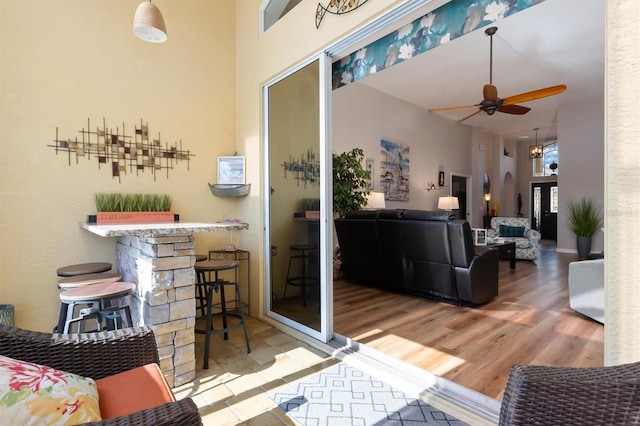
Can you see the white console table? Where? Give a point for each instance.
(159, 258)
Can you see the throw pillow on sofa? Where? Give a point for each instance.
(511, 231)
(33, 394)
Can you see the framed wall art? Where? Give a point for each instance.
(231, 170)
(394, 170)
(479, 236)
(369, 168)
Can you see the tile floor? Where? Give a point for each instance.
(234, 390)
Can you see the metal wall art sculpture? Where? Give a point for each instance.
(124, 153)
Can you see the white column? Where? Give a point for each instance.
(622, 182)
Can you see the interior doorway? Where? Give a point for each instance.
(460, 188)
(544, 209)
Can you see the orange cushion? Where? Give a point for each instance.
(134, 390)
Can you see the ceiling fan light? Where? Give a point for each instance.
(148, 23)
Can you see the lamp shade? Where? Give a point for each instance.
(148, 23)
(448, 203)
(487, 197)
(376, 200)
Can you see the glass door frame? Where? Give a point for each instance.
(326, 205)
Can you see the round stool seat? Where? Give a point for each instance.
(303, 246)
(88, 279)
(83, 269)
(201, 257)
(98, 291)
(216, 265)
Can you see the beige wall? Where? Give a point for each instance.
(65, 61)
(362, 116)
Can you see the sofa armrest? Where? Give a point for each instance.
(478, 283)
(492, 233)
(537, 394)
(94, 355)
(183, 412)
(533, 236)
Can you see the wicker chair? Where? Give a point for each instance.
(541, 395)
(99, 355)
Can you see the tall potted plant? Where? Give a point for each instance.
(349, 181)
(584, 219)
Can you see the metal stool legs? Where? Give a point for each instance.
(207, 305)
(304, 280)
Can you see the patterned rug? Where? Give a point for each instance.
(342, 395)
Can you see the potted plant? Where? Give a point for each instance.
(132, 208)
(584, 219)
(349, 181)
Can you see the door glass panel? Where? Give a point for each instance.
(553, 199)
(294, 206)
(537, 203)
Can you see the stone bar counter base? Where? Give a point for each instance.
(162, 267)
(159, 258)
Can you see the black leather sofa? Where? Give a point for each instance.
(419, 252)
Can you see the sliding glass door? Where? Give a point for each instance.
(297, 199)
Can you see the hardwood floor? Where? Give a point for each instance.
(530, 322)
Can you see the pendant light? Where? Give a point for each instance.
(148, 23)
(535, 151)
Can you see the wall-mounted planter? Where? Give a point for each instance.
(230, 189)
(104, 218)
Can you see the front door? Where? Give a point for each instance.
(545, 209)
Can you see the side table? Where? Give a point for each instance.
(506, 250)
(239, 255)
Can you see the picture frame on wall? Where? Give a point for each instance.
(231, 170)
(479, 236)
(441, 178)
(369, 165)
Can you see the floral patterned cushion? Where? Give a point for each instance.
(32, 394)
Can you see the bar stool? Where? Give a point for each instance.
(203, 274)
(83, 269)
(100, 297)
(67, 283)
(303, 280)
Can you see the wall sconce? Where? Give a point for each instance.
(448, 203)
(487, 198)
(148, 23)
(535, 151)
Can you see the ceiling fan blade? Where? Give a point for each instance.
(469, 116)
(490, 93)
(514, 109)
(534, 94)
(455, 108)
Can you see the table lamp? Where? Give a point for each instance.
(448, 203)
(375, 201)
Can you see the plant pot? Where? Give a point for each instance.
(105, 218)
(336, 273)
(583, 244)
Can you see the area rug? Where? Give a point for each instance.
(343, 395)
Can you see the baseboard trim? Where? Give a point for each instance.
(466, 404)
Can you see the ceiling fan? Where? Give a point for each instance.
(492, 103)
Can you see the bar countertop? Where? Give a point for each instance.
(125, 229)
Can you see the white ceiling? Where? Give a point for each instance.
(555, 42)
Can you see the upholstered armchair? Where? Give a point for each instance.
(518, 230)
